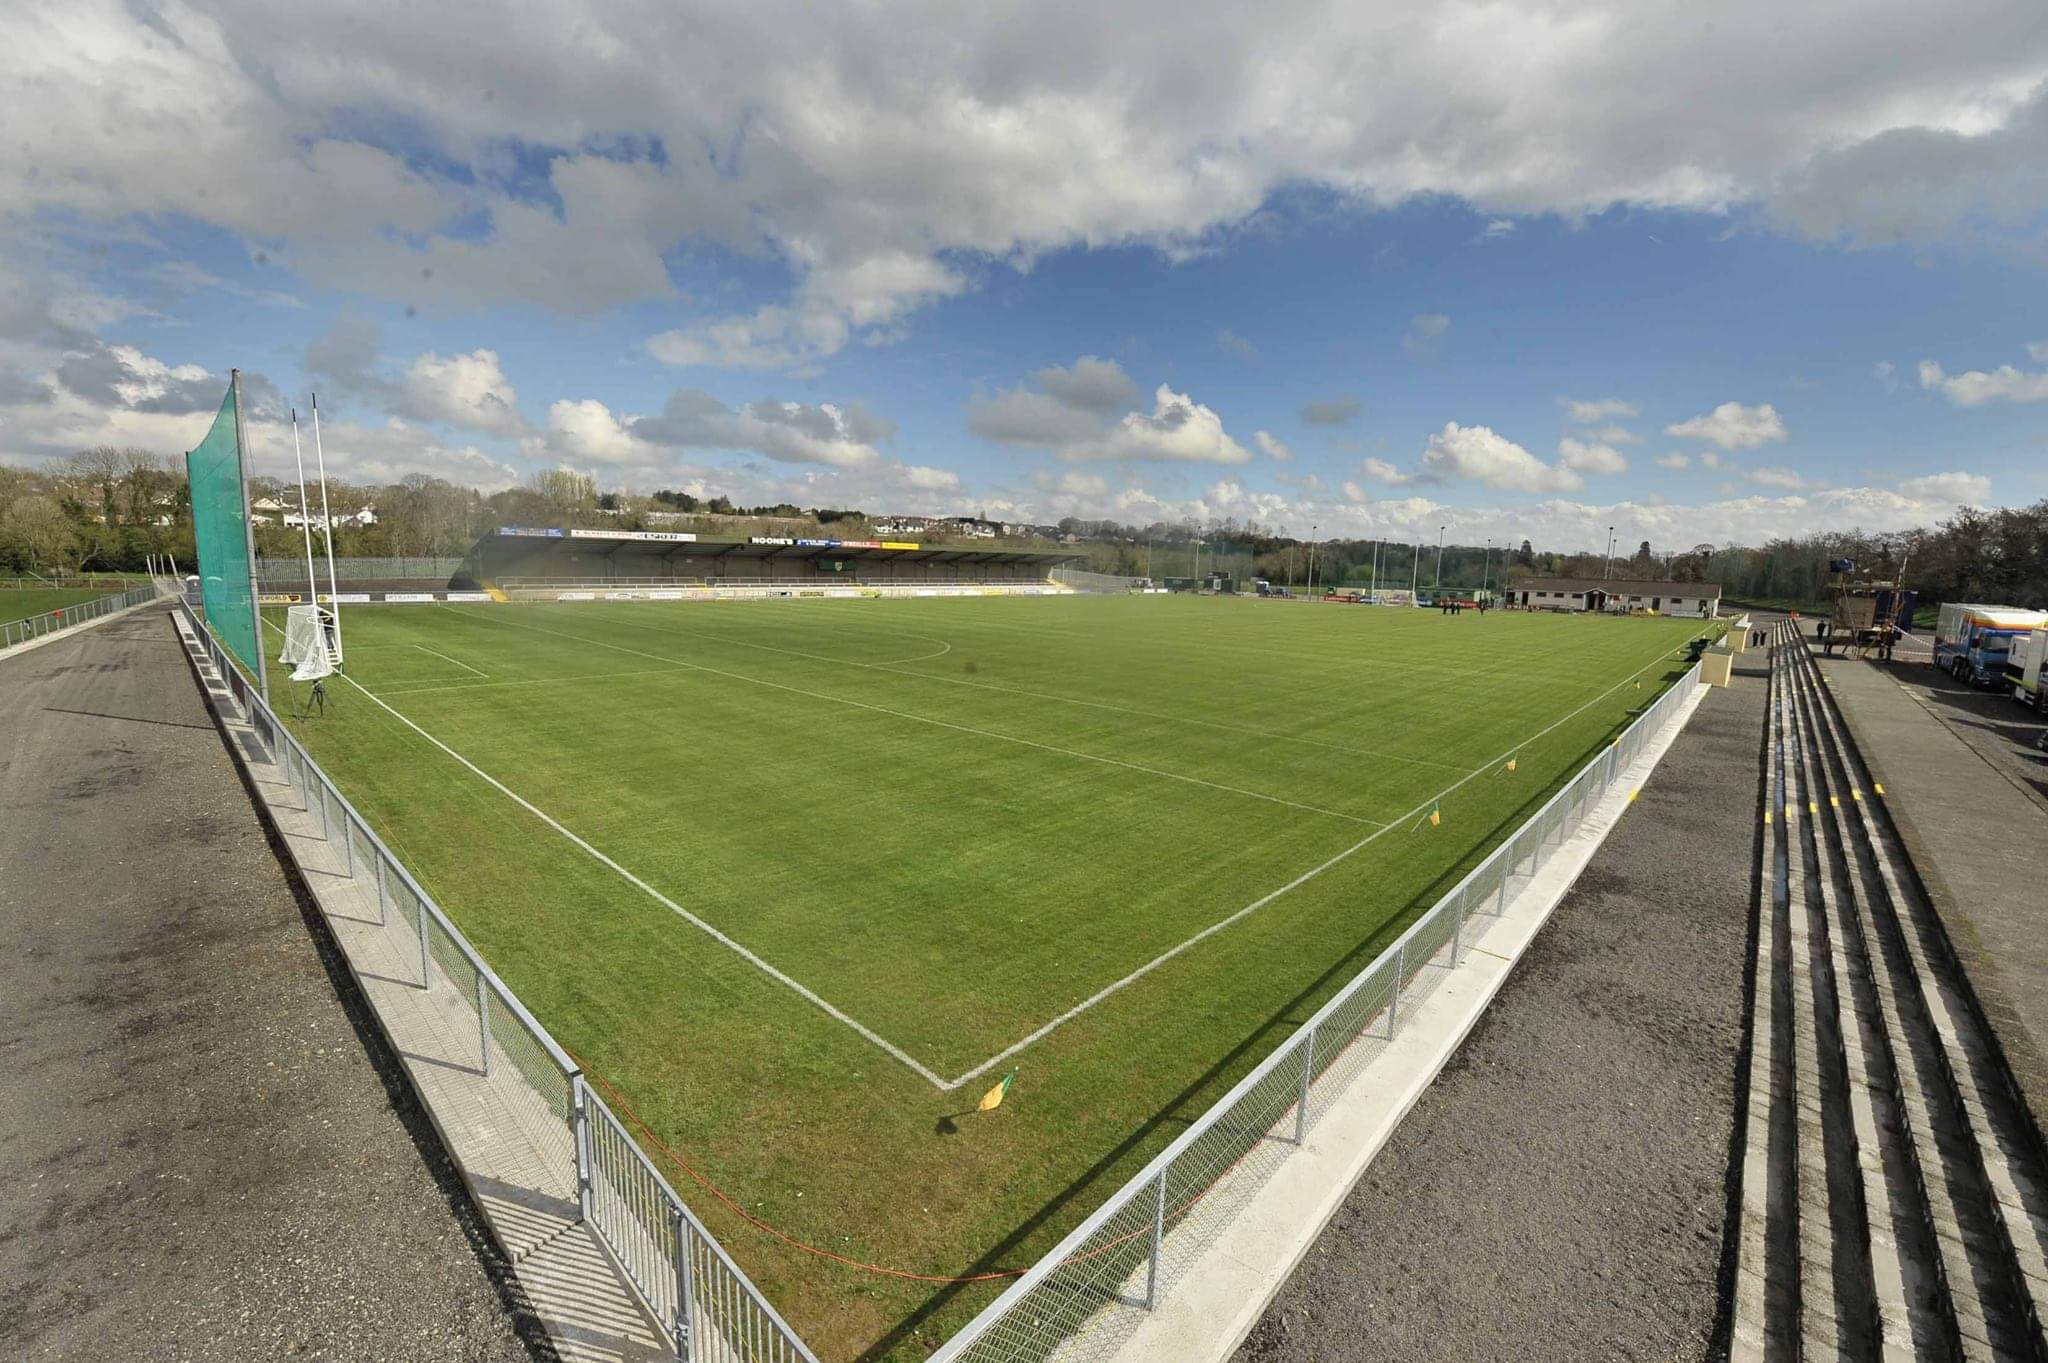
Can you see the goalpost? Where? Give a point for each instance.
(311, 646)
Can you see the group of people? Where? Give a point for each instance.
(1447, 606)
(1884, 637)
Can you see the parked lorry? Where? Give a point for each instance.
(2023, 669)
(1973, 643)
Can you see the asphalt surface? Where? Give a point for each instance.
(1561, 1191)
(205, 1150)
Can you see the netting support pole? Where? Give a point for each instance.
(249, 532)
(380, 891)
(1158, 1239)
(483, 1021)
(679, 1329)
(1458, 930)
(1308, 1075)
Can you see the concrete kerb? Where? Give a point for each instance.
(575, 1287)
(32, 645)
(1210, 1310)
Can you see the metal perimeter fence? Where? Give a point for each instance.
(711, 1311)
(1080, 579)
(13, 632)
(291, 572)
(1091, 1291)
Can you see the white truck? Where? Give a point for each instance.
(1972, 642)
(2024, 668)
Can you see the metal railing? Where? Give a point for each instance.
(1082, 580)
(291, 572)
(711, 1311)
(1094, 1288)
(14, 632)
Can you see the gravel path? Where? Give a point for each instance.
(1560, 1193)
(204, 1152)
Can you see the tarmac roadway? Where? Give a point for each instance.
(206, 1152)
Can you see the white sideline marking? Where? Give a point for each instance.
(893, 665)
(656, 895)
(927, 719)
(457, 661)
(1163, 957)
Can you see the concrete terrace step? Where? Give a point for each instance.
(1894, 1193)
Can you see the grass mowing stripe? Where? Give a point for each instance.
(656, 895)
(1046, 695)
(421, 688)
(1296, 883)
(942, 723)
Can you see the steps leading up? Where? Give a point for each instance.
(1894, 1199)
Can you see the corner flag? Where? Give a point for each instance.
(1511, 763)
(1436, 814)
(993, 1099)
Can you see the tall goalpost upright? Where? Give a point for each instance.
(312, 637)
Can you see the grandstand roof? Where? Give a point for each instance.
(669, 544)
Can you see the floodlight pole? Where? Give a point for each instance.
(1608, 570)
(1414, 572)
(248, 530)
(1375, 572)
(1439, 560)
(1486, 568)
(1312, 561)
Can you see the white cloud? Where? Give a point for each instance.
(1969, 489)
(586, 432)
(1709, 460)
(1425, 329)
(1778, 477)
(1065, 406)
(2037, 351)
(1886, 373)
(1380, 471)
(467, 390)
(1477, 454)
(1590, 457)
(1733, 426)
(880, 164)
(789, 432)
(1496, 229)
(1230, 341)
(1270, 447)
(1973, 389)
(1612, 435)
(1588, 412)
(1178, 429)
(1673, 461)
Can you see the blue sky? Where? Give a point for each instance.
(1374, 273)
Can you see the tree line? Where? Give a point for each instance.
(109, 509)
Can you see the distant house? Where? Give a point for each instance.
(266, 504)
(1615, 594)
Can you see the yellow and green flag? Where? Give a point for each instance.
(1436, 814)
(993, 1099)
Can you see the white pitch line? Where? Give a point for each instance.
(937, 723)
(428, 688)
(692, 919)
(457, 661)
(1163, 957)
(893, 665)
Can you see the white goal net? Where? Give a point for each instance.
(310, 643)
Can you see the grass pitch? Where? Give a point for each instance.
(955, 836)
(22, 603)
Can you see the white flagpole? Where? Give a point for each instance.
(327, 523)
(305, 519)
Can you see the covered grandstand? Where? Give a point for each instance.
(524, 563)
